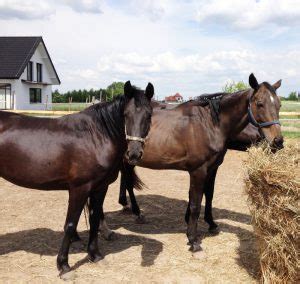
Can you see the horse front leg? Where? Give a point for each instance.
(209, 193)
(197, 178)
(77, 199)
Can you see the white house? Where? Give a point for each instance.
(26, 74)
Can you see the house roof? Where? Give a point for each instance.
(16, 52)
(173, 98)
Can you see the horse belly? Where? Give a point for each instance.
(25, 161)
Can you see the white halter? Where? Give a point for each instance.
(134, 138)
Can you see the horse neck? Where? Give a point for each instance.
(234, 112)
(109, 118)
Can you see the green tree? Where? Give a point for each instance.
(80, 96)
(114, 89)
(232, 87)
(57, 97)
(292, 96)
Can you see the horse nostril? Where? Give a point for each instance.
(278, 142)
(141, 154)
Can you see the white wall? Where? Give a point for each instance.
(20, 90)
(22, 98)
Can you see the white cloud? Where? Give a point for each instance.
(191, 74)
(154, 9)
(86, 6)
(26, 10)
(250, 14)
(159, 41)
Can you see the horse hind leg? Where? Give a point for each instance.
(104, 230)
(195, 197)
(128, 179)
(122, 193)
(209, 193)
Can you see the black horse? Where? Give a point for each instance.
(81, 153)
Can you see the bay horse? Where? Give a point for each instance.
(249, 136)
(81, 153)
(195, 136)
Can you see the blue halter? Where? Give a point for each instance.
(253, 121)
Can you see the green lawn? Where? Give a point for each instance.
(289, 106)
(291, 134)
(290, 128)
(71, 107)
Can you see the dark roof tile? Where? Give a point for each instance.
(15, 53)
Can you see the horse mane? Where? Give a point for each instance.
(109, 116)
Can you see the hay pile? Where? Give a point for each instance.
(273, 185)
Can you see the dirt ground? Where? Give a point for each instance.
(32, 221)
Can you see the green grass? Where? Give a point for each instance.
(289, 116)
(290, 106)
(293, 123)
(67, 107)
(291, 134)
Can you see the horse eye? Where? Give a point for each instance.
(260, 104)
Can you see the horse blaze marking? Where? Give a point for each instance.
(272, 99)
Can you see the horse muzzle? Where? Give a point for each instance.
(277, 143)
(133, 157)
(134, 152)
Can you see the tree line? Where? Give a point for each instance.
(117, 88)
(82, 96)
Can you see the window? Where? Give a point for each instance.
(35, 96)
(39, 74)
(30, 71)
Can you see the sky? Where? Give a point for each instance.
(190, 47)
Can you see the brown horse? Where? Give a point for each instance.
(81, 153)
(129, 180)
(195, 136)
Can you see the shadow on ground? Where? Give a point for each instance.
(165, 215)
(43, 241)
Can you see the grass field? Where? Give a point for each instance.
(71, 107)
(290, 106)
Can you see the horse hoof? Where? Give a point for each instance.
(68, 276)
(214, 230)
(95, 257)
(201, 255)
(63, 268)
(112, 236)
(140, 219)
(76, 238)
(195, 247)
(126, 209)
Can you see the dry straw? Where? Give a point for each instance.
(273, 185)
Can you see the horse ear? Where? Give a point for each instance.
(253, 82)
(277, 84)
(128, 92)
(149, 91)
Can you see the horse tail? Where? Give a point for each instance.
(131, 178)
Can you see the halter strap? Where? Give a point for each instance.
(134, 138)
(253, 121)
